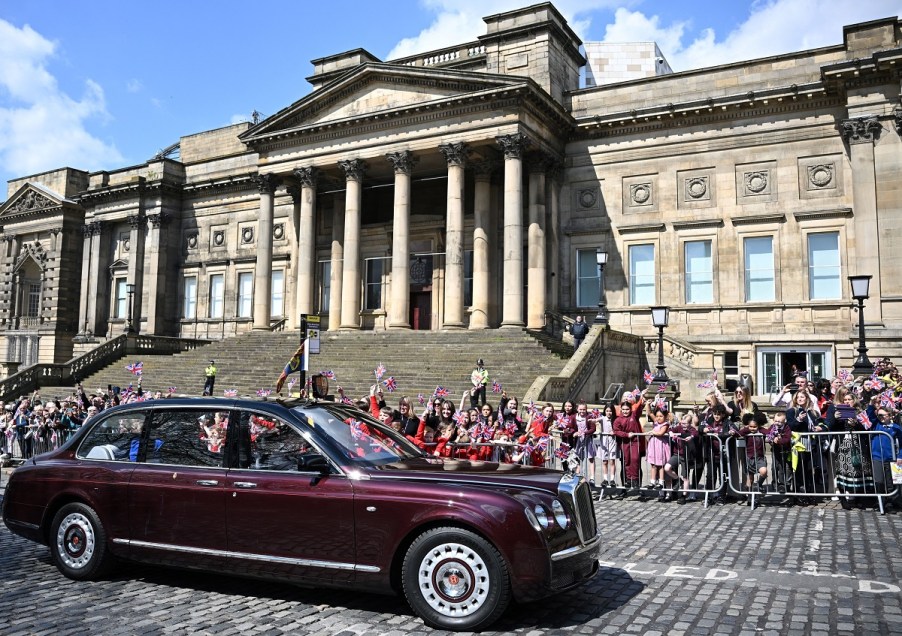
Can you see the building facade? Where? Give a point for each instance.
(469, 188)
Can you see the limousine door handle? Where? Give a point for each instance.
(245, 484)
(207, 482)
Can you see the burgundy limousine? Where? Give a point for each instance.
(314, 493)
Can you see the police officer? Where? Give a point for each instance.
(210, 373)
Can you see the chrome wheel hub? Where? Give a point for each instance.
(75, 541)
(454, 579)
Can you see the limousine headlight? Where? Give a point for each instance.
(542, 516)
(560, 515)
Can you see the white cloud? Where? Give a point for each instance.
(459, 21)
(771, 28)
(41, 127)
(134, 86)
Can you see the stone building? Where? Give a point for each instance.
(469, 188)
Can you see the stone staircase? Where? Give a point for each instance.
(418, 360)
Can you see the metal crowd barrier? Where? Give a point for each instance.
(812, 466)
(18, 449)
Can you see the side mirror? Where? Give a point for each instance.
(313, 463)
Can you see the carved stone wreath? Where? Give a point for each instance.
(587, 198)
(756, 182)
(696, 187)
(278, 231)
(640, 193)
(218, 238)
(820, 175)
(247, 235)
(192, 241)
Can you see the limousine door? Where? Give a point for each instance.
(281, 518)
(176, 496)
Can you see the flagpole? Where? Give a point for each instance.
(305, 357)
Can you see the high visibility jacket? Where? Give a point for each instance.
(210, 371)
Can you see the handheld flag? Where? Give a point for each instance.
(293, 366)
(864, 420)
(172, 390)
(136, 368)
(441, 392)
(496, 387)
(230, 393)
(648, 376)
(390, 384)
(421, 399)
(380, 371)
(328, 374)
(263, 392)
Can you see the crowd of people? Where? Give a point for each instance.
(839, 437)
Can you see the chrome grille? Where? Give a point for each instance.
(576, 493)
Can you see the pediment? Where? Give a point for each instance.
(376, 89)
(31, 199)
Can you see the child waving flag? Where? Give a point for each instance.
(293, 365)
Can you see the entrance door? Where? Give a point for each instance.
(421, 310)
(793, 363)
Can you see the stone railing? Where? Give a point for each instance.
(78, 368)
(557, 324)
(444, 56)
(682, 353)
(279, 325)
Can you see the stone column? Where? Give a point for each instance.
(138, 224)
(336, 262)
(350, 283)
(512, 295)
(861, 133)
(267, 184)
(479, 310)
(399, 304)
(291, 280)
(553, 236)
(306, 240)
(456, 155)
(96, 284)
(536, 266)
(156, 275)
(87, 276)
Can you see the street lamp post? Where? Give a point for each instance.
(129, 327)
(860, 285)
(601, 318)
(659, 318)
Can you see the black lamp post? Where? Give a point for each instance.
(129, 327)
(601, 318)
(659, 318)
(860, 285)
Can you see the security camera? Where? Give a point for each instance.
(659, 60)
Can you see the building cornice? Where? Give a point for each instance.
(692, 225)
(644, 227)
(835, 213)
(758, 218)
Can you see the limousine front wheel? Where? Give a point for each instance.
(78, 542)
(454, 579)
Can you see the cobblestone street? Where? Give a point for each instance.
(666, 570)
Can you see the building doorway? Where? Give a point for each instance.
(777, 366)
(421, 310)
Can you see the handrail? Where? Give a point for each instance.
(278, 325)
(47, 374)
(557, 323)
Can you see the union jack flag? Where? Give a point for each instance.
(887, 399)
(380, 371)
(390, 384)
(542, 443)
(460, 417)
(421, 399)
(710, 383)
(263, 392)
(356, 430)
(648, 376)
(328, 374)
(230, 393)
(844, 375)
(347, 400)
(496, 387)
(562, 451)
(662, 388)
(531, 408)
(441, 392)
(864, 420)
(291, 383)
(595, 414)
(172, 389)
(136, 368)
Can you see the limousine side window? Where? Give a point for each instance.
(274, 445)
(116, 438)
(186, 437)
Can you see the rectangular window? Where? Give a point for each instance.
(277, 306)
(34, 300)
(325, 286)
(468, 278)
(823, 266)
(642, 274)
(759, 269)
(190, 300)
(121, 298)
(245, 294)
(699, 272)
(587, 283)
(731, 363)
(217, 288)
(373, 284)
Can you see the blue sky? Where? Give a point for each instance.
(103, 84)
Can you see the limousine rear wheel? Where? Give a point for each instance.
(78, 542)
(454, 579)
